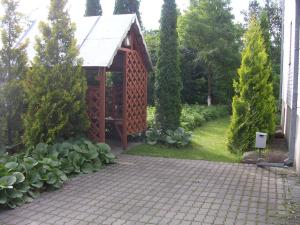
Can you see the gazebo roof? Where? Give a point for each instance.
(98, 38)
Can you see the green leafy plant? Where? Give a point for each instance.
(153, 136)
(24, 176)
(13, 185)
(178, 137)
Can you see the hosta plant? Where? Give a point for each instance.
(153, 136)
(24, 176)
(14, 189)
(178, 137)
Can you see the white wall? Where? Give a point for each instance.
(288, 46)
(288, 74)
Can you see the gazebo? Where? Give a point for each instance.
(116, 61)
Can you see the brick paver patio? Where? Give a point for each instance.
(144, 190)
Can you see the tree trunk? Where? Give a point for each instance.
(209, 87)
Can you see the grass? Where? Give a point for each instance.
(208, 143)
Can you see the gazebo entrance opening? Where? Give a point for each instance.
(117, 97)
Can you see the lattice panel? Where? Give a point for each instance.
(94, 102)
(136, 94)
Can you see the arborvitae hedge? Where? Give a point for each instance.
(254, 103)
(56, 85)
(168, 81)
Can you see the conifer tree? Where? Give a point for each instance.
(128, 7)
(12, 70)
(254, 103)
(93, 8)
(56, 86)
(168, 81)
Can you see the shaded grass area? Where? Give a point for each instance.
(208, 143)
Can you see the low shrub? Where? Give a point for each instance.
(193, 116)
(178, 138)
(25, 175)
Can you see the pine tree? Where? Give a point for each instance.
(128, 7)
(254, 103)
(56, 86)
(93, 8)
(168, 82)
(12, 70)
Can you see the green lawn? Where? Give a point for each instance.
(208, 143)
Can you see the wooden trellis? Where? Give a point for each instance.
(136, 93)
(129, 114)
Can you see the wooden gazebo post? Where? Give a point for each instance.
(124, 111)
(102, 91)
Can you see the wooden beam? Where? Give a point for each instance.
(102, 86)
(125, 49)
(124, 111)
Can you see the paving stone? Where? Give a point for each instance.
(145, 190)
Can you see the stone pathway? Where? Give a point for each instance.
(145, 190)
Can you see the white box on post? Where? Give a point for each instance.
(261, 140)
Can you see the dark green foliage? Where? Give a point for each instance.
(93, 8)
(128, 7)
(193, 116)
(12, 70)
(56, 85)
(208, 31)
(23, 177)
(168, 83)
(152, 41)
(193, 77)
(254, 103)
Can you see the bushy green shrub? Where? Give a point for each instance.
(56, 85)
(193, 116)
(24, 176)
(178, 138)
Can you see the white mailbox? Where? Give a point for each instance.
(261, 140)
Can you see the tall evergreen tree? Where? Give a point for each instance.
(168, 82)
(128, 7)
(254, 103)
(269, 16)
(56, 86)
(208, 28)
(12, 70)
(93, 8)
